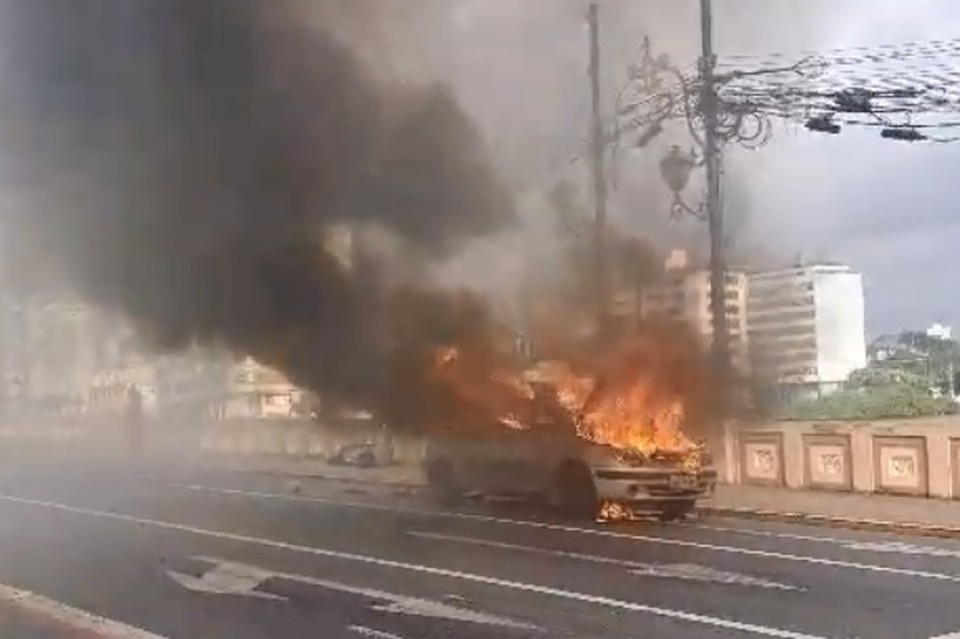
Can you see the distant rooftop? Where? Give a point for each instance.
(812, 267)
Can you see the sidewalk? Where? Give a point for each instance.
(935, 517)
(938, 517)
(406, 476)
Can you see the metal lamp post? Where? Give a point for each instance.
(658, 92)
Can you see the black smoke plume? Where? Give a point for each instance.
(180, 161)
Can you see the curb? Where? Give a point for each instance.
(393, 483)
(832, 521)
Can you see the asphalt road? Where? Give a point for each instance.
(147, 549)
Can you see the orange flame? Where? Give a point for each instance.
(636, 394)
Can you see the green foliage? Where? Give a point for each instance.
(898, 400)
(874, 377)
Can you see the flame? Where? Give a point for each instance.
(613, 511)
(636, 394)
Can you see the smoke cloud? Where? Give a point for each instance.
(181, 161)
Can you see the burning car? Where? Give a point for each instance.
(600, 432)
(548, 458)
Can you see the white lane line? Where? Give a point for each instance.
(363, 631)
(597, 559)
(850, 543)
(689, 572)
(879, 546)
(612, 534)
(70, 617)
(596, 600)
(949, 635)
(767, 533)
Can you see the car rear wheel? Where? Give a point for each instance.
(574, 492)
(443, 485)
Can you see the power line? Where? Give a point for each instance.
(911, 50)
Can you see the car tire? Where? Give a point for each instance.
(575, 494)
(443, 485)
(676, 512)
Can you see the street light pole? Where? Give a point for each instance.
(598, 147)
(720, 349)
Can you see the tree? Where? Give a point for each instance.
(898, 400)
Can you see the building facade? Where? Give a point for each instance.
(202, 385)
(806, 326)
(684, 294)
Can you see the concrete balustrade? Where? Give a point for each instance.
(919, 457)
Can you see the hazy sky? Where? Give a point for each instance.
(887, 208)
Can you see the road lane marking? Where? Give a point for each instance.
(610, 534)
(77, 620)
(363, 631)
(596, 600)
(234, 578)
(949, 635)
(685, 571)
(879, 546)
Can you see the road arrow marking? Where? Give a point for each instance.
(696, 572)
(227, 579)
(233, 578)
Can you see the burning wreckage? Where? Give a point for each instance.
(596, 436)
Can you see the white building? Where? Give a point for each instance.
(940, 331)
(806, 326)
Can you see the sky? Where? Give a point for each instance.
(886, 208)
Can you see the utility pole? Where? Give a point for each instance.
(720, 342)
(598, 147)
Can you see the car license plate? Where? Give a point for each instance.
(683, 482)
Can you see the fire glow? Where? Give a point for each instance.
(636, 395)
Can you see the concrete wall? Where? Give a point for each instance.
(302, 438)
(919, 457)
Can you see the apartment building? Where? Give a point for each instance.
(806, 326)
(684, 294)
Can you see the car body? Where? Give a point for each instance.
(550, 461)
